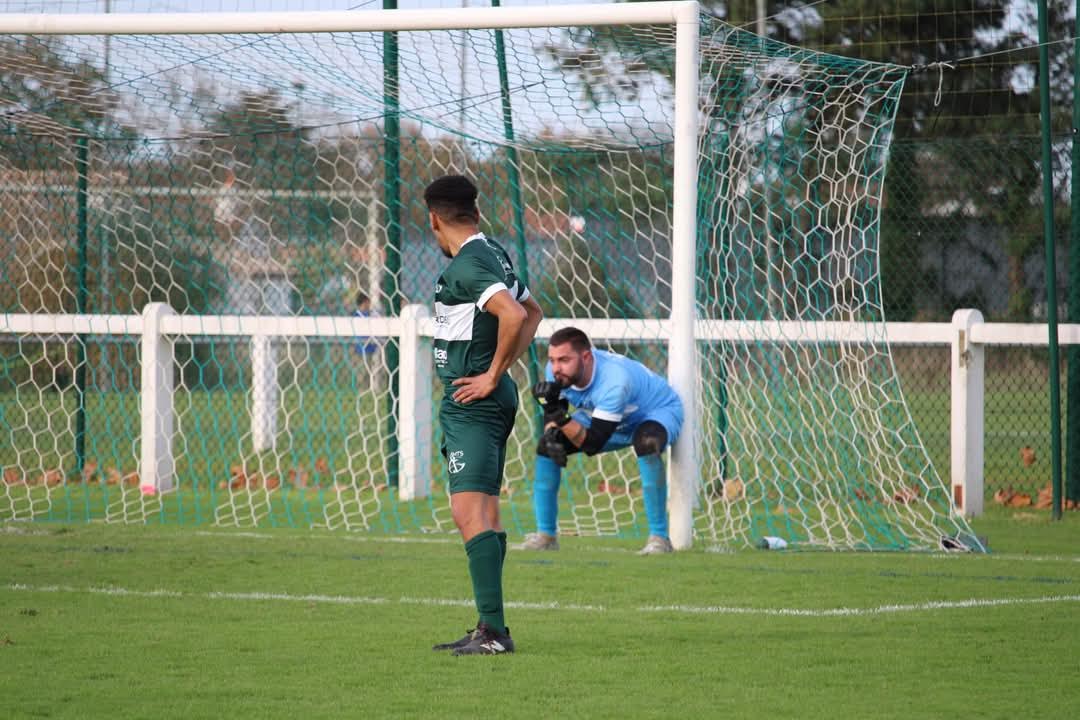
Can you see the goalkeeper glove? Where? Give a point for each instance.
(551, 446)
(556, 408)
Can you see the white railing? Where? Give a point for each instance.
(158, 327)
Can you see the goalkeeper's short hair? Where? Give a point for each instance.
(577, 339)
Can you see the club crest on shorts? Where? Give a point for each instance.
(455, 465)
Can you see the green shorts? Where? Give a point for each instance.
(474, 438)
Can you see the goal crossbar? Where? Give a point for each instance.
(672, 12)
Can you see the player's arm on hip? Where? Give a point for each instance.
(513, 325)
(528, 331)
(512, 322)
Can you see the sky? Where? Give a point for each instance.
(341, 79)
(1018, 21)
(90, 6)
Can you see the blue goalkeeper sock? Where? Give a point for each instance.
(654, 493)
(546, 495)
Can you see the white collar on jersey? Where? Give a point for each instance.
(477, 236)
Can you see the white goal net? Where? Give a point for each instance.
(266, 186)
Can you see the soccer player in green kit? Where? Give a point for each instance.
(484, 320)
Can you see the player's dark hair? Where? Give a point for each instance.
(453, 199)
(577, 339)
(362, 298)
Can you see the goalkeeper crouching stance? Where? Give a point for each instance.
(618, 403)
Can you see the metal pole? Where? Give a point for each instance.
(81, 297)
(104, 279)
(463, 63)
(1072, 426)
(104, 269)
(721, 283)
(392, 202)
(515, 182)
(1051, 261)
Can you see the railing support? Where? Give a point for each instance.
(967, 421)
(156, 466)
(416, 433)
(264, 392)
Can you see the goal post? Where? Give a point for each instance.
(705, 200)
(682, 353)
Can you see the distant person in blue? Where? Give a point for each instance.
(618, 403)
(369, 350)
(364, 345)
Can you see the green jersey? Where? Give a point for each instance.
(466, 335)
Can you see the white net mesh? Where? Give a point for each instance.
(276, 176)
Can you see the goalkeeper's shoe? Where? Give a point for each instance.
(539, 541)
(656, 546)
(487, 641)
(459, 643)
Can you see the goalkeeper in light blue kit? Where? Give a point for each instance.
(618, 403)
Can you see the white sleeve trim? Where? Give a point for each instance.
(489, 292)
(525, 294)
(604, 415)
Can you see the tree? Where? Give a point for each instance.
(256, 131)
(994, 100)
(986, 170)
(48, 92)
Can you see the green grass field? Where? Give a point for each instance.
(159, 621)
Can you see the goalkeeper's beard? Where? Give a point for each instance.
(567, 381)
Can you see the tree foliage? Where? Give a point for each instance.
(47, 91)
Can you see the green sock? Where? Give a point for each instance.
(485, 568)
(502, 543)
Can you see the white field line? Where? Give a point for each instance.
(449, 540)
(287, 597)
(1010, 557)
(15, 530)
(856, 612)
(436, 602)
(452, 539)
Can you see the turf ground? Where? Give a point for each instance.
(165, 622)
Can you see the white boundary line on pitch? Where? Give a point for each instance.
(855, 612)
(15, 530)
(287, 597)
(435, 602)
(451, 539)
(1012, 557)
(349, 539)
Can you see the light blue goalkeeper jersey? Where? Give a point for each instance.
(624, 391)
